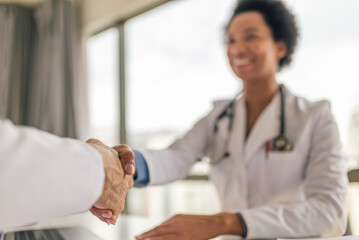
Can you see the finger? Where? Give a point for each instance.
(157, 231)
(127, 158)
(117, 202)
(94, 141)
(171, 236)
(128, 180)
(105, 213)
(113, 199)
(106, 220)
(109, 220)
(112, 220)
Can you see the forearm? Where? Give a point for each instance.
(183, 226)
(174, 162)
(56, 176)
(169, 165)
(310, 218)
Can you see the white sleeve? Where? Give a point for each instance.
(43, 176)
(173, 163)
(324, 212)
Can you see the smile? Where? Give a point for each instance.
(241, 62)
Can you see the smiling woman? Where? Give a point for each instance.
(265, 192)
(176, 66)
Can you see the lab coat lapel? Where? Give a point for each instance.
(237, 139)
(266, 128)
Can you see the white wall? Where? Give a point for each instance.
(99, 14)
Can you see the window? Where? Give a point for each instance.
(325, 67)
(102, 64)
(176, 67)
(325, 64)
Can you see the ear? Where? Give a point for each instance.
(281, 49)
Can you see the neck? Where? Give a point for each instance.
(258, 95)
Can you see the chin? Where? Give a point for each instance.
(250, 80)
(244, 76)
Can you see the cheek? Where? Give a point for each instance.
(269, 55)
(230, 56)
(228, 53)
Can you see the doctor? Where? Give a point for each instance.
(276, 157)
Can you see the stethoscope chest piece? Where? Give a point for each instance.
(281, 144)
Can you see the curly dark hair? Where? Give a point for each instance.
(279, 19)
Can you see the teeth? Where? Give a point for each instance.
(241, 62)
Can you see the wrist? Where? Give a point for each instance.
(230, 224)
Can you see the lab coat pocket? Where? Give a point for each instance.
(285, 167)
(281, 156)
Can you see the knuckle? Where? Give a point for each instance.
(128, 156)
(113, 151)
(91, 140)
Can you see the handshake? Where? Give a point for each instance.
(119, 166)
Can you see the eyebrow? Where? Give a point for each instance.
(251, 30)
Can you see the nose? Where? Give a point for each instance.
(236, 49)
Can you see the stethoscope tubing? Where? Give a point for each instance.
(230, 113)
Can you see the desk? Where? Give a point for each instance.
(126, 228)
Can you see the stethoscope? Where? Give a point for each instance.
(279, 144)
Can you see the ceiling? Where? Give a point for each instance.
(28, 3)
(97, 15)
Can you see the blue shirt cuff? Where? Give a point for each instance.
(245, 230)
(142, 177)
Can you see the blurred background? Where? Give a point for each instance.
(143, 72)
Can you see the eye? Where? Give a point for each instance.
(230, 40)
(251, 37)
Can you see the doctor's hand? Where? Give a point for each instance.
(127, 158)
(195, 227)
(117, 183)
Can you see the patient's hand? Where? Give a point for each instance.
(117, 183)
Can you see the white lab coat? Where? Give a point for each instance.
(284, 194)
(43, 176)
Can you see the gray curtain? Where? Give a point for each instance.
(16, 47)
(41, 80)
